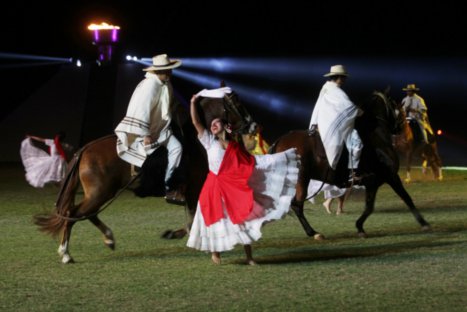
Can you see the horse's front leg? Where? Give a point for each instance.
(397, 186)
(65, 242)
(297, 207)
(109, 240)
(438, 172)
(424, 165)
(436, 165)
(370, 196)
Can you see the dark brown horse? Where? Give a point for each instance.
(102, 174)
(379, 162)
(413, 146)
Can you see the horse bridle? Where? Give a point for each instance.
(230, 107)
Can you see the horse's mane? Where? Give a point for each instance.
(378, 111)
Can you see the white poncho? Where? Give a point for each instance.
(148, 113)
(335, 115)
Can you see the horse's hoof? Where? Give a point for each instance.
(67, 259)
(426, 228)
(362, 235)
(179, 234)
(110, 244)
(251, 262)
(318, 237)
(169, 234)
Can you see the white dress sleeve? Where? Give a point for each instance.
(206, 139)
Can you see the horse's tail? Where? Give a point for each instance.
(53, 223)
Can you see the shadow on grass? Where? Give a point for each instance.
(348, 252)
(294, 250)
(439, 208)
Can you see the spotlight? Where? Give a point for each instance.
(128, 58)
(135, 58)
(78, 63)
(439, 132)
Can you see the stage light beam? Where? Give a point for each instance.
(14, 56)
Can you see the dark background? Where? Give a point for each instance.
(241, 28)
(381, 44)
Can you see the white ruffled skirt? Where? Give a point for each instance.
(273, 182)
(41, 167)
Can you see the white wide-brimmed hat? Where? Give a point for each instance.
(337, 70)
(411, 87)
(162, 62)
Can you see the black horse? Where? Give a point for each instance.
(379, 162)
(102, 174)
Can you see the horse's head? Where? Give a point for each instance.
(230, 109)
(386, 111)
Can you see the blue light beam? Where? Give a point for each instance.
(6, 66)
(15, 56)
(264, 98)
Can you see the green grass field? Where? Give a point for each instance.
(397, 268)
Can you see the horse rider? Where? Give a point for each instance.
(146, 125)
(415, 108)
(334, 117)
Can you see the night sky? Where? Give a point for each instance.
(241, 28)
(381, 44)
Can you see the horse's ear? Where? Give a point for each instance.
(222, 84)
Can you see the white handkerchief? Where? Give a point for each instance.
(215, 93)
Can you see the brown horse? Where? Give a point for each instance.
(379, 162)
(103, 175)
(412, 146)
